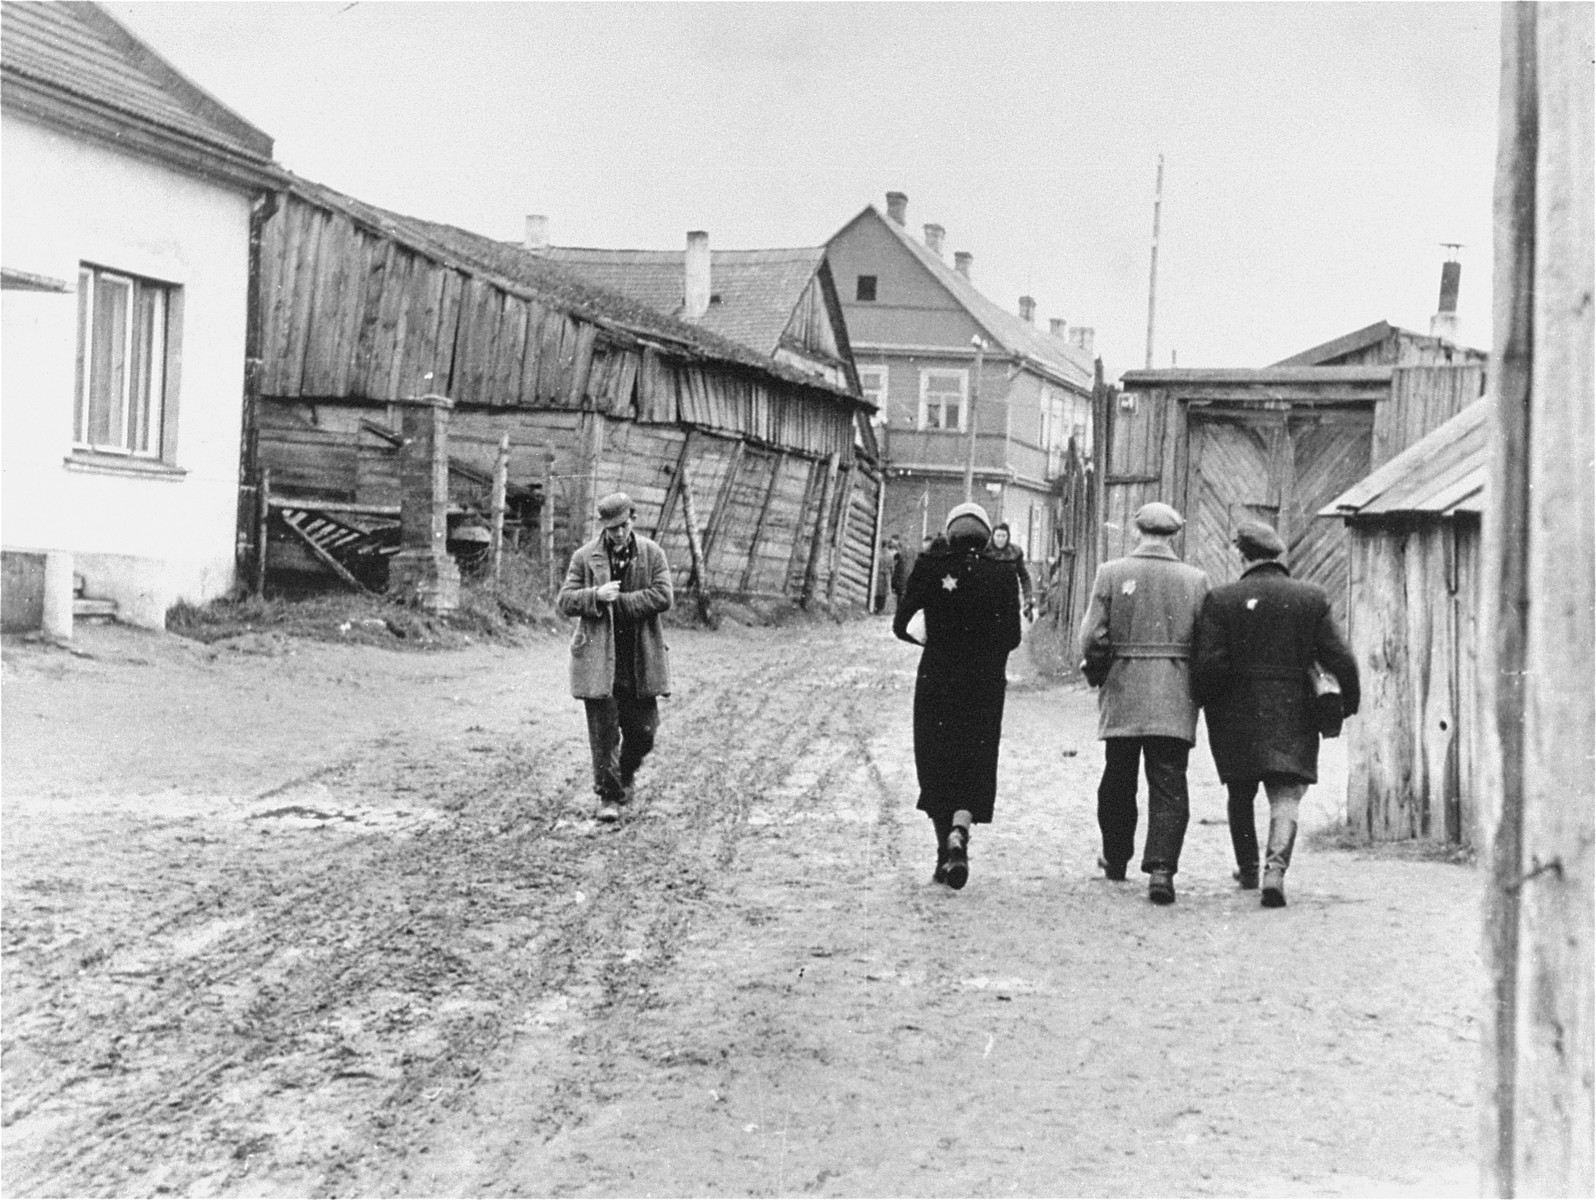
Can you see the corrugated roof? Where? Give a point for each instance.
(525, 272)
(1005, 328)
(81, 50)
(1441, 473)
(755, 291)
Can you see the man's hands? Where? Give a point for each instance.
(607, 592)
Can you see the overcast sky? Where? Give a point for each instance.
(1316, 155)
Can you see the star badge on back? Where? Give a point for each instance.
(949, 582)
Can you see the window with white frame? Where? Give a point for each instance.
(944, 398)
(873, 383)
(121, 363)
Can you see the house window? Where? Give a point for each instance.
(873, 383)
(121, 363)
(866, 288)
(943, 399)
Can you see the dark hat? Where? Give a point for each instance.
(614, 509)
(1257, 540)
(1158, 517)
(968, 509)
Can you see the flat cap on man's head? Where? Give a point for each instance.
(968, 509)
(1158, 518)
(614, 509)
(1258, 540)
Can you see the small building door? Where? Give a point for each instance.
(1278, 464)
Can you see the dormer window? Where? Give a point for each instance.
(865, 289)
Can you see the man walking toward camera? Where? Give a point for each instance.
(1136, 642)
(618, 584)
(1257, 642)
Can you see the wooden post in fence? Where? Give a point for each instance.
(501, 482)
(422, 571)
(546, 527)
(694, 547)
(263, 513)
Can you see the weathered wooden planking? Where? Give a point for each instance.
(1422, 398)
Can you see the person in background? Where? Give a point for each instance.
(901, 562)
(1004, 551)
(972, 622)
(1257, 642)
(884, 569)
(618, 584)
(1136, 641)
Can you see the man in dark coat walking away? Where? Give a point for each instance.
(972, 622)
(1257, 642)
(1136, 642)
(618, 584)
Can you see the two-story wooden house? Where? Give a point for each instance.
(919, 328)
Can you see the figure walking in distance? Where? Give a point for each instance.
(1257, 642)
(1136, 640)
(972, 621)
(1003, 550)
(618, 584)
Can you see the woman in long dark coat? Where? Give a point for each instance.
(972, 621)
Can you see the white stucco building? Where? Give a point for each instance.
(127, 201)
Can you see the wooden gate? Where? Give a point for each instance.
(1279, 465)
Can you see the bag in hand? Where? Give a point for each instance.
(1328, 711)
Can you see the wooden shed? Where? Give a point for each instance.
(1414, 553)
(357, 307)
(1276, 444)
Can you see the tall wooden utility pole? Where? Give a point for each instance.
(975, 394)
(1152, 275)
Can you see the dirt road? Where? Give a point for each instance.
(285, 918)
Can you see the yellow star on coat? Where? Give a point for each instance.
(949, 582)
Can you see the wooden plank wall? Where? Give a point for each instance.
(1145, 440)
(1422, 399)
(348, 313)
(1412, 749)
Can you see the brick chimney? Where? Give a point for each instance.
(898, 207)
(1056, 327)
(1082, 336)
(537, 232)
(933, 239)
(1027, 309)
(961, 262)
(1444, 323)
(696, 290)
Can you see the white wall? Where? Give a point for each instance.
(142, 541)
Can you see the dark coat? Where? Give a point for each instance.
(902, 560)
(1257, 638)
(1136, 638)
(1015, 557)
(972, 622)
(645, 593)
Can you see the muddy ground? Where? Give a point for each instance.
(289, 918)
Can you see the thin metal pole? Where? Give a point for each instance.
(975, 395)
(1152, 277)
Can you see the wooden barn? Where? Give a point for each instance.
(357, 308)
(1275, 444)
(1414, 553)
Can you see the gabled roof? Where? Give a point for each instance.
(79, 62)
(525, 273)
(754, 292)
(1441, 473)
(1006, 329)
(1350, 343)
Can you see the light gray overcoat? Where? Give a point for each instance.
(645, 593)
(1139, 625)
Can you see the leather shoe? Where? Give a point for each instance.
(1114, 874)
(1273, 894)
(609, 812)
(1161, 887)
(1247, 879)
(956, 873)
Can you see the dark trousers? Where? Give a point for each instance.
(620, 733)
(1168, 805)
